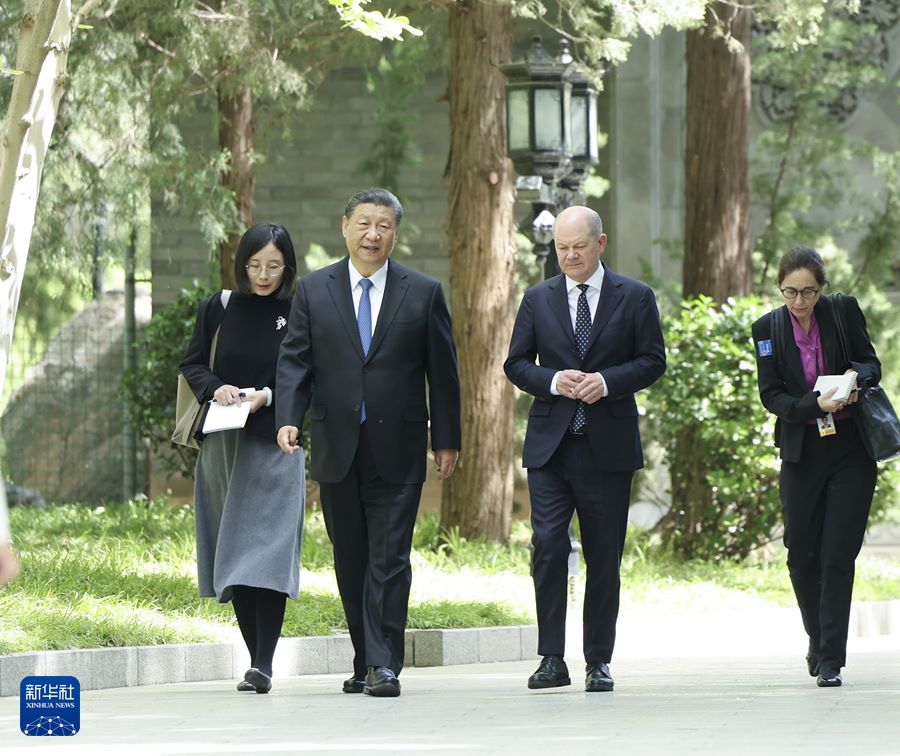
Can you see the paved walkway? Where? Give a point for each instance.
(694, 705)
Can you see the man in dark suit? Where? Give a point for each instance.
(364, 335)
(584, 342)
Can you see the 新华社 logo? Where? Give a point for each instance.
(50, 706)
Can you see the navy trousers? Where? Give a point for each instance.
(568, 483)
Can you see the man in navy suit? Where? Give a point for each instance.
(364, 336)
(583, 343)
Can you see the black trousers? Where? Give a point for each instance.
(826, 498)
(370, 523)
(570, 483)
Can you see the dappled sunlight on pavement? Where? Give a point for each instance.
(719, 704)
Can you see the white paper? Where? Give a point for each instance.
(844, 383)
(227, 416)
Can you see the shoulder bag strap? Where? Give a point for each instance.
(225, 296)
(776, 334)
(837, 311)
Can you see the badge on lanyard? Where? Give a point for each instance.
(826, 425)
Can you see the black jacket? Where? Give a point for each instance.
(625, 346)
(782, 388)
(322, 370)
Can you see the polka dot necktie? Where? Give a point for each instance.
(364, 326)
(582, 333)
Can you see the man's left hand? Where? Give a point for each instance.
(445, 459)
(591, 389)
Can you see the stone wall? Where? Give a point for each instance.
(304, 185)
(64, 425)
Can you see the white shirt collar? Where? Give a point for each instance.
(378, 278)
(595, 281)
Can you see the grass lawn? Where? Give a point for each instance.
(125, 575)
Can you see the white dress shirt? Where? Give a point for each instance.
(595, 283)
(376, 293)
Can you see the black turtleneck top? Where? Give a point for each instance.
(252, 328)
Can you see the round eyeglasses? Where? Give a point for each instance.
(789, 292)
(255, 269)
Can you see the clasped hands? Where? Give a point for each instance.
(574, 384)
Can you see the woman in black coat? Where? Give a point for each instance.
(248, 495)
(827, 478)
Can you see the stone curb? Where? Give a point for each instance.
(98, 668)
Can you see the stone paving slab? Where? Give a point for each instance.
(702, 706)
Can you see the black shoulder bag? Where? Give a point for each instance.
(876, 420)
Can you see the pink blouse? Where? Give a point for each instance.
(812, 357)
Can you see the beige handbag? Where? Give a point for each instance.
(188, 410)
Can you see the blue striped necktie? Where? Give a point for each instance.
(364, 326)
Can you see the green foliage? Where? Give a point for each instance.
(804, 188)
(125, 575)
(601, 31)
(374, 24)
(150, 386)
(394, 82)
(37, 323)
(706, 407)
(801, 180)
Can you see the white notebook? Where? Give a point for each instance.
(227, 416)
(844, 383)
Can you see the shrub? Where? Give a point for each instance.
(716, 436)
(150, 386)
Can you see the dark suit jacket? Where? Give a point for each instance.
(321, 369)
(782, 388)
(625, 346)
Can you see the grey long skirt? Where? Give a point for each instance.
(248, 507)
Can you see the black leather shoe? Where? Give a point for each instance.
(245, 686)
(598, 678)
(352, 685)
(552, 672)
(260, 681)
(812, 663)
(829, 677)
(381, 682)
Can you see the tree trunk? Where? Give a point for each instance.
(478, 496)
(43, 48)
(717, 184)
(236, 136)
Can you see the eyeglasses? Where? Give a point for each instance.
(789, 292)
(255, 269)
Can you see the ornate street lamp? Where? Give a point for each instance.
(585, 150)
(538, 114)
(551, 137)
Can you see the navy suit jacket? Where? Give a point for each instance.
(322, 370)
(783, 389)
(625, 346)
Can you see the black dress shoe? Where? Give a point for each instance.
(245, 686)
(552, 672)
(829, 677)
(812, 663)
(598, 678)
(260, 681)
(381, 682)
(352, 685)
